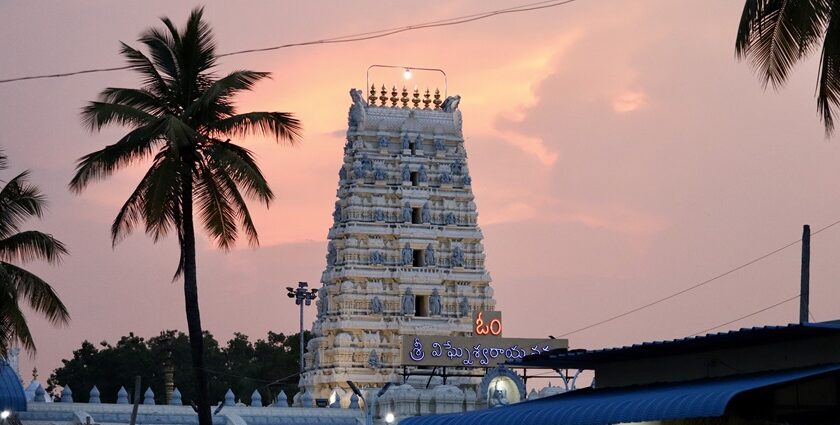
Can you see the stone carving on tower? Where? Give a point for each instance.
(404, 253)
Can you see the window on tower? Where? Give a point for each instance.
(416, 216)
(419, 258)
(421, 305)
(415, 181)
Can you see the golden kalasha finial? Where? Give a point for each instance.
(426, 99)
(416, 100)
(437, 101)
(372, 97)
(404, 98)
(383, 95)
(394, 98)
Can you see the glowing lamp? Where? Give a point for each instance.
(5, 414)
(407, 74)
(389, 418)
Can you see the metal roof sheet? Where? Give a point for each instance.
(696, 399)
(587, 359)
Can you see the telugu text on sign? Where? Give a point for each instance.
(480, 351)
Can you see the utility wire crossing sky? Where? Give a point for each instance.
(335, 40)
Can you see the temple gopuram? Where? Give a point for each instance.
(404, 253)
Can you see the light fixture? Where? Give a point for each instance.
(5, 414)
(407, 74)
(389, 418)
(302, 296)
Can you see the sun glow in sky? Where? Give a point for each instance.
(618, 151)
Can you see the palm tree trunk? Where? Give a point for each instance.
(191, 300)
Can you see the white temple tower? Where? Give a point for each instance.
(405, 253)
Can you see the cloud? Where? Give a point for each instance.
(629, 101)
(517, 211)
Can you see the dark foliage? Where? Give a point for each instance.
(267, 365)
(21, 201)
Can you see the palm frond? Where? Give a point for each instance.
(152, 79)
(282, 125)
(223, 88)
(32, 245)
(828, 85)
(162, 49)
(141, 99)
(240, 208)
(135, 146)
(161, 197)
(100, 114)
(214, 208)
(13, 325)
(40, 296)
(131, 213)
(239, 163)
(154, 203)
(19, 201)
(775, 34)
(198, 46)
(180, 135)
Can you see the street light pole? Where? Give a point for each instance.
(301, 337)
(303, 296)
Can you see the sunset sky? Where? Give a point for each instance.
(619, 153)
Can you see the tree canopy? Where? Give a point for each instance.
(267, 365)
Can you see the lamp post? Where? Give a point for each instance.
(369, 408)
(302, 296)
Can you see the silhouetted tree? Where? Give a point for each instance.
(267, 365)
(20, 201)
(775, 34)
(183, 118)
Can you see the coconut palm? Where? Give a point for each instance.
(19, 201)
(775, 34)
(182, 118)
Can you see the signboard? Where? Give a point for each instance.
(478, 351)
(487, 323)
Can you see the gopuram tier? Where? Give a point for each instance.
(404, 253)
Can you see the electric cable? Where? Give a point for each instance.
(527, 7)
(786, 300)
(695, 286)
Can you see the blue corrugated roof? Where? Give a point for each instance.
(11, 391)
(696, 399)
(588, 359)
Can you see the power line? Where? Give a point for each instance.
(748, 315)
(341, 39)
(690, 288)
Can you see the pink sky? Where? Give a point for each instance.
(619, 153)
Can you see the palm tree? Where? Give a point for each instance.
(182, 119)
(19, 201)
(774, 34)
